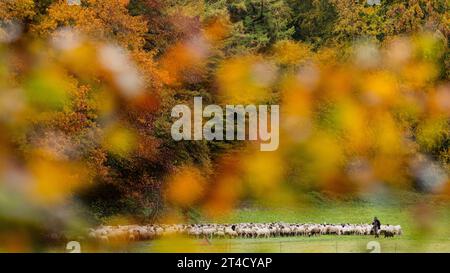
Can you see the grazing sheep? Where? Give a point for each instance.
(230, 231)
(243, 230)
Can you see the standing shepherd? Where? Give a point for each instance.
(376, 225)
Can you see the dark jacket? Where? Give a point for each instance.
(377, 223)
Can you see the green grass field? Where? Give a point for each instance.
(324, 244)
(432, 235)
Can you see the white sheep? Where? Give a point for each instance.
(243, 230)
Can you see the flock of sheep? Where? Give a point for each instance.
(242, 230)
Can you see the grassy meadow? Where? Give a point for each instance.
(422, 231)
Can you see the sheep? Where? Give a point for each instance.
(332, 229)
(248, 232)
(262, 232)
(397, 230)
(313, 230)
(390, 231)
(208, 232)
(242, 230)
(220, 233)
(230, 231)
(286, 231)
